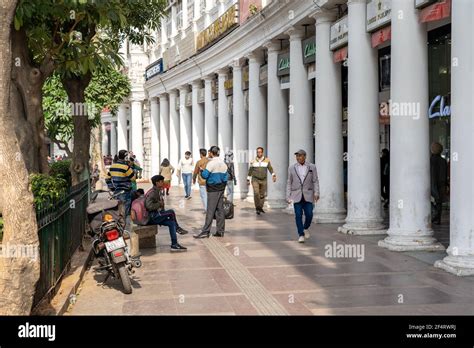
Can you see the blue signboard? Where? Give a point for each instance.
(154, 69)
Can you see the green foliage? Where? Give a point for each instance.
(107, 89)
(61, 169)
(47, 189)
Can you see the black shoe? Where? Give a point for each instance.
(181, 231)
(186, 197)
(258, 212)
(177, 247)
(201, 235)
(167, 193)
(217, 234)
(262, 211)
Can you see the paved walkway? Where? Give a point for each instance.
(259, 268)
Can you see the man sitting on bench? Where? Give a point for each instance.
(155, 204)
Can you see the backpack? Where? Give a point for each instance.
(138, 211)
(228, 209)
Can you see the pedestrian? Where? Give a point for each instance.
(385, 176)
(201, 165)
(302, 189)
(231, 180)
(258, 176)
(439, 181)
(120, 178)
(185, 169)
(166, 170)
(155, 205)
(216, 182)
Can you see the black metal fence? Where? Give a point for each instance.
(61, 226)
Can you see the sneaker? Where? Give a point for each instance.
(301, 239)
(262, 211)
(306, 234)
(186, 197)
(218, 234)
(189, 197)
(181, 230)
(178, 248)
(258, 212)
(201, 235)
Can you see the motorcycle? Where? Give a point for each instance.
(107, 229)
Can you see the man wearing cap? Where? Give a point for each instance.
(258, 170)
(302, 189)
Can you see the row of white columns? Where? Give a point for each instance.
(283, 125)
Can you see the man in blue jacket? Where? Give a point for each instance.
(216, 177)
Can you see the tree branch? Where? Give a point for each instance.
(63, 146)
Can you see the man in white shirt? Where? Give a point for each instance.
(185, 169)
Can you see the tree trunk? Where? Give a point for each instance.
(26, 102)
(75, 88)
(97, 156)
(18, 275)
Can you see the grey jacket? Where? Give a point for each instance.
(295, 188)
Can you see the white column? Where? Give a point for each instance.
(105, 140)
(364, 214)
(164, 127)
(175, 152)
(410, 207)
(460, 259)
(185, 13)
(185, 126)
(224, 122)
(155, 136)
(301, 98)
(137, 130)
(257, 104)
(277, 130)
(329, 142)
(122, 128)
(210, 122)
(240, 130)
(113, 139)
(198, 120)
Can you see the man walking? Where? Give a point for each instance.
(216, 177)
(121, 177)
(155, 204)
(258, 176)
(302, 189)
(201, 165)
(185, 168)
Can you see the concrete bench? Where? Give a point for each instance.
(143, 237)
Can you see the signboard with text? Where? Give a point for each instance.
(154, 69)
(283, 64)
(309, 50)
(422, 3)
(339, 34)
(221, 26)
(379, 14)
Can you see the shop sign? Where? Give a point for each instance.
(189, 99)
(309, 50)
(263, 76)
(339, 34)
(245, 78)
(379, 13)
(439, 104)
(229, 86)
(154, 69)
(381, 36)
(283, 64)
(220, 27)
(340, 55)
(422, 3)
(436, 12)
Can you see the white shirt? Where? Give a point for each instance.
(302, 170)
(186, 166)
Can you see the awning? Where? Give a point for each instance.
(435, 12)
(382, 35)
(341, 54)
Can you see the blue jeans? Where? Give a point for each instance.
(307, 209)
(230, 191)
(203, 193)
(187, 178)
(165, 218)
(126, 199)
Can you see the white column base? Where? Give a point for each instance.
(365, 227)
(330, 217)
(461, 266)
(410, 242)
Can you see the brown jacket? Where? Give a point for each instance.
(154, 200)
(201, 164)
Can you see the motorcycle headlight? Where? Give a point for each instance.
(107, 218)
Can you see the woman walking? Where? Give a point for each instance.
(166, 170)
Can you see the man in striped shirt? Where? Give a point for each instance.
(120, 177)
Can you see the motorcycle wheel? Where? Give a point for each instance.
(123, 273)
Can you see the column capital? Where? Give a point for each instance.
(209, 78)
(272, 46)
(196, 83)
(295, 33)
(154, 100)
(223, 72)
(237, 64)
(183, 88)
(163, 97)
(173, 92)
(358, 2)
(254, 57)
(323, 17)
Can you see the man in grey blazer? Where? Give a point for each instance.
(302, 189)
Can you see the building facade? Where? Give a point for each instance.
(340, 79)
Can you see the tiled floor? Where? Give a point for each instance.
(259, 268)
